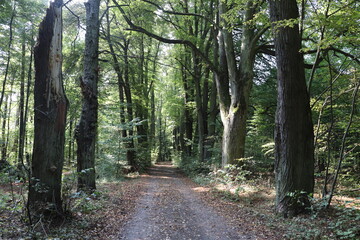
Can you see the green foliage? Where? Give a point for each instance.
(339, 20)
(109, 167)
(230, 174)
(346, 224)
(260, 143)
(11, 199)
(228, 196)
(39, 186)
(336, 223)
(298, 201)
(75, 201)
(84, 203)
(193, 168)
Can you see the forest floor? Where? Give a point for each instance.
(173, 207)
(165, 204)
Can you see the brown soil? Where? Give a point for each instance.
(173, 207)
(164, 204)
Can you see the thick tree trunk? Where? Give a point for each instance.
(50, 113)
(233, 139)
(87, 127)
(234, 112)
(294, 148)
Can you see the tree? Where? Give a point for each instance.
(86, 130)
(50, 106)
(124, 92)
(11, 23)
(234, 101)
(234, 81)
(294, 148)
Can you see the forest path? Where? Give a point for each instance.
(170, 208)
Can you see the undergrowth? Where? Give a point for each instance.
(338, 222)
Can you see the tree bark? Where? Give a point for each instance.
(50, 113)
(121, 84)
(152, 125)
(141, 107)
(294, 138)
(87, 128)
(188, 119)
(4, 135)
(9, 54)
(131, 152)
(28, 87)
(199, 105)
(21, 108)
(234, 106)
(213, 112)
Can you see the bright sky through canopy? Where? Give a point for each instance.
(72, 1)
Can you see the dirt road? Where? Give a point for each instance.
(171, 209)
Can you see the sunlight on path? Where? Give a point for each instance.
(170, 209)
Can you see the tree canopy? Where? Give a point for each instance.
(193, 82)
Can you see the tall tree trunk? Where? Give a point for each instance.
(152, 99)
(87, 127)
(294, 143)
(160, 156)
(28, 86)
(234, 107)
(21, 108)
(130, 153)
(50, 112)
(121, 84)
(143, 106)
(213, 111)
(199, 105)
(152, 115)
(70, 141)
(6, 123)
(9, 54)
(188, 119)
(5, 139)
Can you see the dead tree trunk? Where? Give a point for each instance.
(87, 128)
(50, 113)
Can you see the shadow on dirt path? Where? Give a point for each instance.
(170, 209)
